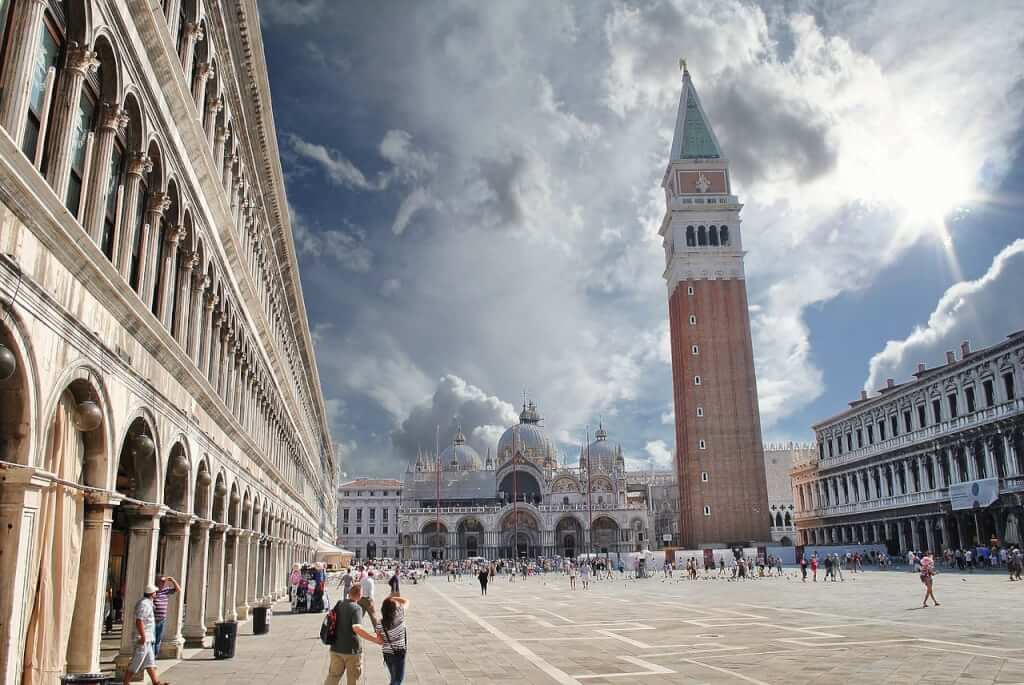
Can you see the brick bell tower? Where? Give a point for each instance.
(719, 456)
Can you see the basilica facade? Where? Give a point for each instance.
(521, 500)
(160, 410)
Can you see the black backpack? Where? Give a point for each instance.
(329, 628)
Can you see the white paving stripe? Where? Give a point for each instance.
(726, 671)
(557, 674)
(652, 669)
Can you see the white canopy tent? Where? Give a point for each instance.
(332, 554)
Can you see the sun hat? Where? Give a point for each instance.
(149, 589)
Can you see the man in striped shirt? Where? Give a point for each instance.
(166, 586)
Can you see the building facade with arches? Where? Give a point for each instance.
(521, 501)
(893, 469)
(160, 409)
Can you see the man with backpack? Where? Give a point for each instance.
(341, 630)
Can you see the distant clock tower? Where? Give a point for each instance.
(719, 455)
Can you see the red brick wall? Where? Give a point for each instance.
(731, 426)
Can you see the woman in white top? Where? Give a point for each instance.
(393, 633)
(572, 576)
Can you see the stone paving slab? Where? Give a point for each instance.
(868, 629)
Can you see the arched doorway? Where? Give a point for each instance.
(435, 540)
(520, 535)
(69, 565)
(569, 536)
(470, 537)
(172, 554)
(604, 535)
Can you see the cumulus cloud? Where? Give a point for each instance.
(520, 155)
(982, 312)
(348, 248)
(454, 403)
(660, 452)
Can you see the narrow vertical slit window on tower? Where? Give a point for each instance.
(689, 290)
(695, 349)
(707, 510)
(704, 476)
(696, 380)
(693, 319)
(702, 445)
(700, 412)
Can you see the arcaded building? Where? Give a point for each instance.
(160, 410)
(719, 458)
(521, 500)
(931, 463)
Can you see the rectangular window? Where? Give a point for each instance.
(344, 515)
(359, 530)
(937, 411)
(881, 430)
(384, 513)
(110, 215)
(700, 412)
(704, 477)
(47, 57)
(359, 515)
(82, 125)
(969, 396)
(953, 413)
(831, 451)
(908, 425)
(990, 392)
(384, 530)
(701, 444)
(695, 350)
(860, 438)
(371, 530)
(344, 530)
(895, 425)
(373, 514)
(707, 510)
(871, 435)
(839, 445)
(689, 290)
(849, 442)
(696, 380)
(1008, 386)
(922, 420)
(693, 319)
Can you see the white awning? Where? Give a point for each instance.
(324, 547)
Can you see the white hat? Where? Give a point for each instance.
(149, 589)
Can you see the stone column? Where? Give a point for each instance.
(901, 531)
(227, 335)
(139, 164)
(213, 107)
(16, 79)
(943, 535)
(990, 460)
(193, 34)
(176, 561)
(972, 466)
(220, 137)
(204, 74)
(87, 624)
(243, 575)
(78, 63)
(113, 119)
(215, 577)
(929, 534)
(149, 270)
(198, 317)
(256, 559)
(183, 300)
(20, 499)
(915, 536)
(198, 572)
(142, 552)
(227, 174)
(167, 273)
(172, 10)
(211, 333)
(231, 575)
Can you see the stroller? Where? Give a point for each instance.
(302, 597)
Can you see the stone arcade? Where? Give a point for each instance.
(160, 410)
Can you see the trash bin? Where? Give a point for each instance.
(224, 640)
(86, 679)
(260, 620)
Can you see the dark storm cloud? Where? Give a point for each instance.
(454, 403)
(767, 135)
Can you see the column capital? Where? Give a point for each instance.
(103, 499)
(203, 524)
(139, 164)
(159, 202)
(177, 233)
(190, 260)
(211, 298)
(220, 528)
(194, 30)
(206, 71)
(147, 511)
(222, 134)
(113, 117)
(214, 105)
(81, 59)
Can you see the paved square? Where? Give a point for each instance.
(868, 629)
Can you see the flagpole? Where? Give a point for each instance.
(590, 500)
(437, 481)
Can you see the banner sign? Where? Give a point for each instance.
(974, 493)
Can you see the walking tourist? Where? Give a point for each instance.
(367, 588)
(927, 577)
(392, 612)
(346, 582)
(572, 576)
(483, 576)
(394, 582)
(814, 567)
(803, 568)
(145, 623)
(346, 652)
(163, 592)
(585, 575)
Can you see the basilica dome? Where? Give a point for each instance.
(460, 457)
(529, 439)
(603, 455)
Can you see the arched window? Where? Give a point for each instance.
(691, 240)
(83, 124)
(702, 236)
(5, 21)
(565, 501)
(42, 88)
(134, 274)
(788, 520)
(778, 519)
(714, 236)
(723, 235)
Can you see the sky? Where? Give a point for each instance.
(475, 199)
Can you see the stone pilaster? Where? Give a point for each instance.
(79, 62)
(183, 300)
(243, 574)
(159, 202)
(142, 552)
(194, 630)
(231, 575)
(203, 75)
(139, 164)
(166, 274)
(20, 499)
(176, 558)
(87, 625)
(112, 120)
(215, 577)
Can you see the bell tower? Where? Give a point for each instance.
(719, 456)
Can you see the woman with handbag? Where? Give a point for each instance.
(393, 632)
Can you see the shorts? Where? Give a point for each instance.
(142, 658)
